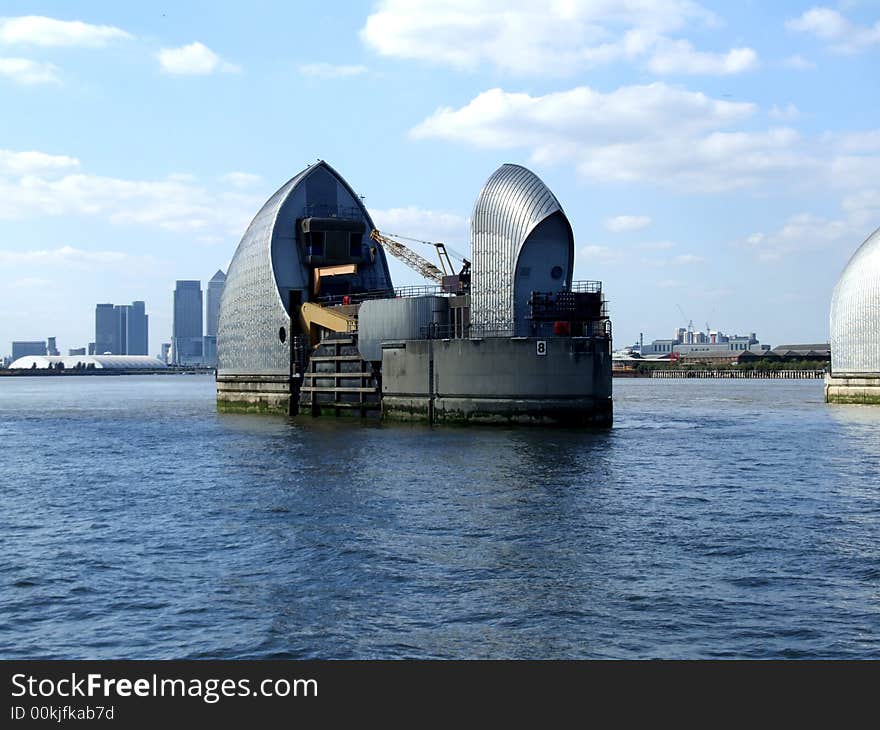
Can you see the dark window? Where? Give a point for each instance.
(354, 245)
(282, 334)
(316, 243)
(556, 272)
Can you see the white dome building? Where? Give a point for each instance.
(855, 329)
(91, 362)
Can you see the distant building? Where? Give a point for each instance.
(97, 362)
(212, 304)
(165, 352)
(657, 347)
(187, 332)
(136, 341)
(106, 331)
(121, 329)
(212, 317)
(91, 348)
(820, 352)
(76, 351)
(689, 342)
(22, 348)
(209, 351)
(51, 347)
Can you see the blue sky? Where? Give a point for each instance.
(718, 157)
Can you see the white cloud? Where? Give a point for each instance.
(27, 72)
(680, 57)
(539, 39)
(626, 223)
(32, 162)
(853, 171)
(601, 254)
(689, 258)
(427, 225)
(195, 59)
(868, 141)
(34, 184)
(862, 209)
(798, 63)
(330, 70)
(241, 179)
(800, 233)
(785, 114)
(498, 119)
(806, 232)
(30, 282)
(837, 31)
(39, 30)
(655, 245)
(658, 133)
(63, 256)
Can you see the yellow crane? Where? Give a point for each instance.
(417, 262)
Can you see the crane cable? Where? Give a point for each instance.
(455, 253)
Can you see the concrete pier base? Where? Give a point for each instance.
(855, 388)
(563, 381)
(253, 394)
(575, 412)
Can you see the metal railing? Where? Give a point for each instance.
(325, 210)
(590, 287)
(396, 293)
(474, 332)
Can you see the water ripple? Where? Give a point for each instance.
(717, 519)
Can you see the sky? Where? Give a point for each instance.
(718, 161)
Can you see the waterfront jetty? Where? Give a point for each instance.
(742, 374)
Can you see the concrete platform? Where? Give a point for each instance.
(563, 381)
(855, 388)
(253, 394)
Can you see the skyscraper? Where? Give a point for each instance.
(212, 315)
(121, 329)
(137, 330)
(186, 339)
(106, 331)
(212, 312)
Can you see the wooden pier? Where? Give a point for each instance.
(740, 374)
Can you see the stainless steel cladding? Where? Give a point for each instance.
(515, 208)
(408, 318)
(269, 270)
(855, 312)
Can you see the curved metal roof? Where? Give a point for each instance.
(101, 362)
(512, 203)
(265, 266)
(855, 312)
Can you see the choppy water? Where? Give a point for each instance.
(717, 519)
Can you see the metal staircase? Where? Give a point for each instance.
(338, 381)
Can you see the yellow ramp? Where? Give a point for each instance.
(314, 315)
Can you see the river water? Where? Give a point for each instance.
(734, 518)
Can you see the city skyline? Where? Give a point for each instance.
(707, 155)
(124, 329)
